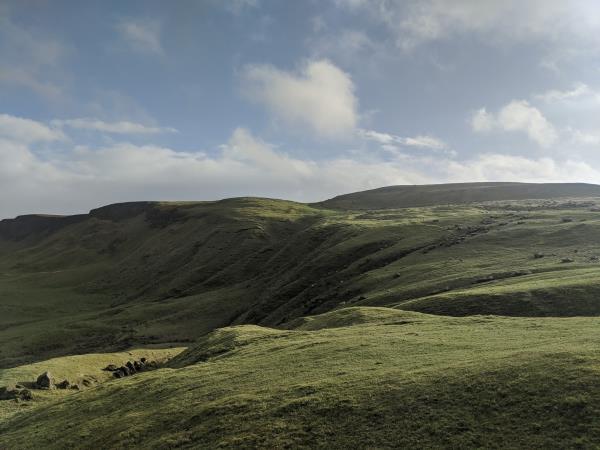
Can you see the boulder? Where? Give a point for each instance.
(111, 368)
(138, 366)
(15, 393)
(63, 384)
(25, 394)
(131, 367)
(45, 381)
(567, 260)
(124, 371)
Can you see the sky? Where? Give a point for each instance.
(111, 101)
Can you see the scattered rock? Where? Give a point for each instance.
(25, 394)
(133, 367)
(15, 393)
(593, 258)
(538, 255)
(567, 219)
(45, 381)
(75, 387)
(567, 260)
(65, 384)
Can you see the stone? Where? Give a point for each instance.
(25, 394)
(45, 381)
(131, 367)
(65, 384)
(111, 368)
(15, 393)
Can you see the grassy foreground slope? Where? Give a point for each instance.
(167, 273)
(83, 371)
(352, 378)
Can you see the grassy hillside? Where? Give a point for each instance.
(81, 371)
(167, 273)
(392, 197)
(353, 378)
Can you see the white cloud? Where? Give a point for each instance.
(320, 97)
(23, 78)
(30, 60)
(580, 137)
(518, 115)
(121, 127)
(391, 141)
(499, 167)
(577, 91)
(482, 121)
(423, 141)
(81, 177)
(414, 22)
(27, 131)
(142, 35)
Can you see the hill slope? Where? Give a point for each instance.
(385, 379)
(167, 273)
(459, 193)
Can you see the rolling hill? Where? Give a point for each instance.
(459, 193)
(407, 314)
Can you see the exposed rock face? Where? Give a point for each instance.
(35, 224)
(45, 381)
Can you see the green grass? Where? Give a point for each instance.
(170, 272)
(359, 377)
(334, 325)
(74, 369)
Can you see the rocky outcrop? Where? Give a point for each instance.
(132, 367)
(16, 392)
(35, 225)
(45, 381)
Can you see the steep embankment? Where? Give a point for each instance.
(167, 273)
(379, 378)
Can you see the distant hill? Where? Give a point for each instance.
(156, 273)
(457, 193)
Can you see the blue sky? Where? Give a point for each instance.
(102, 102)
